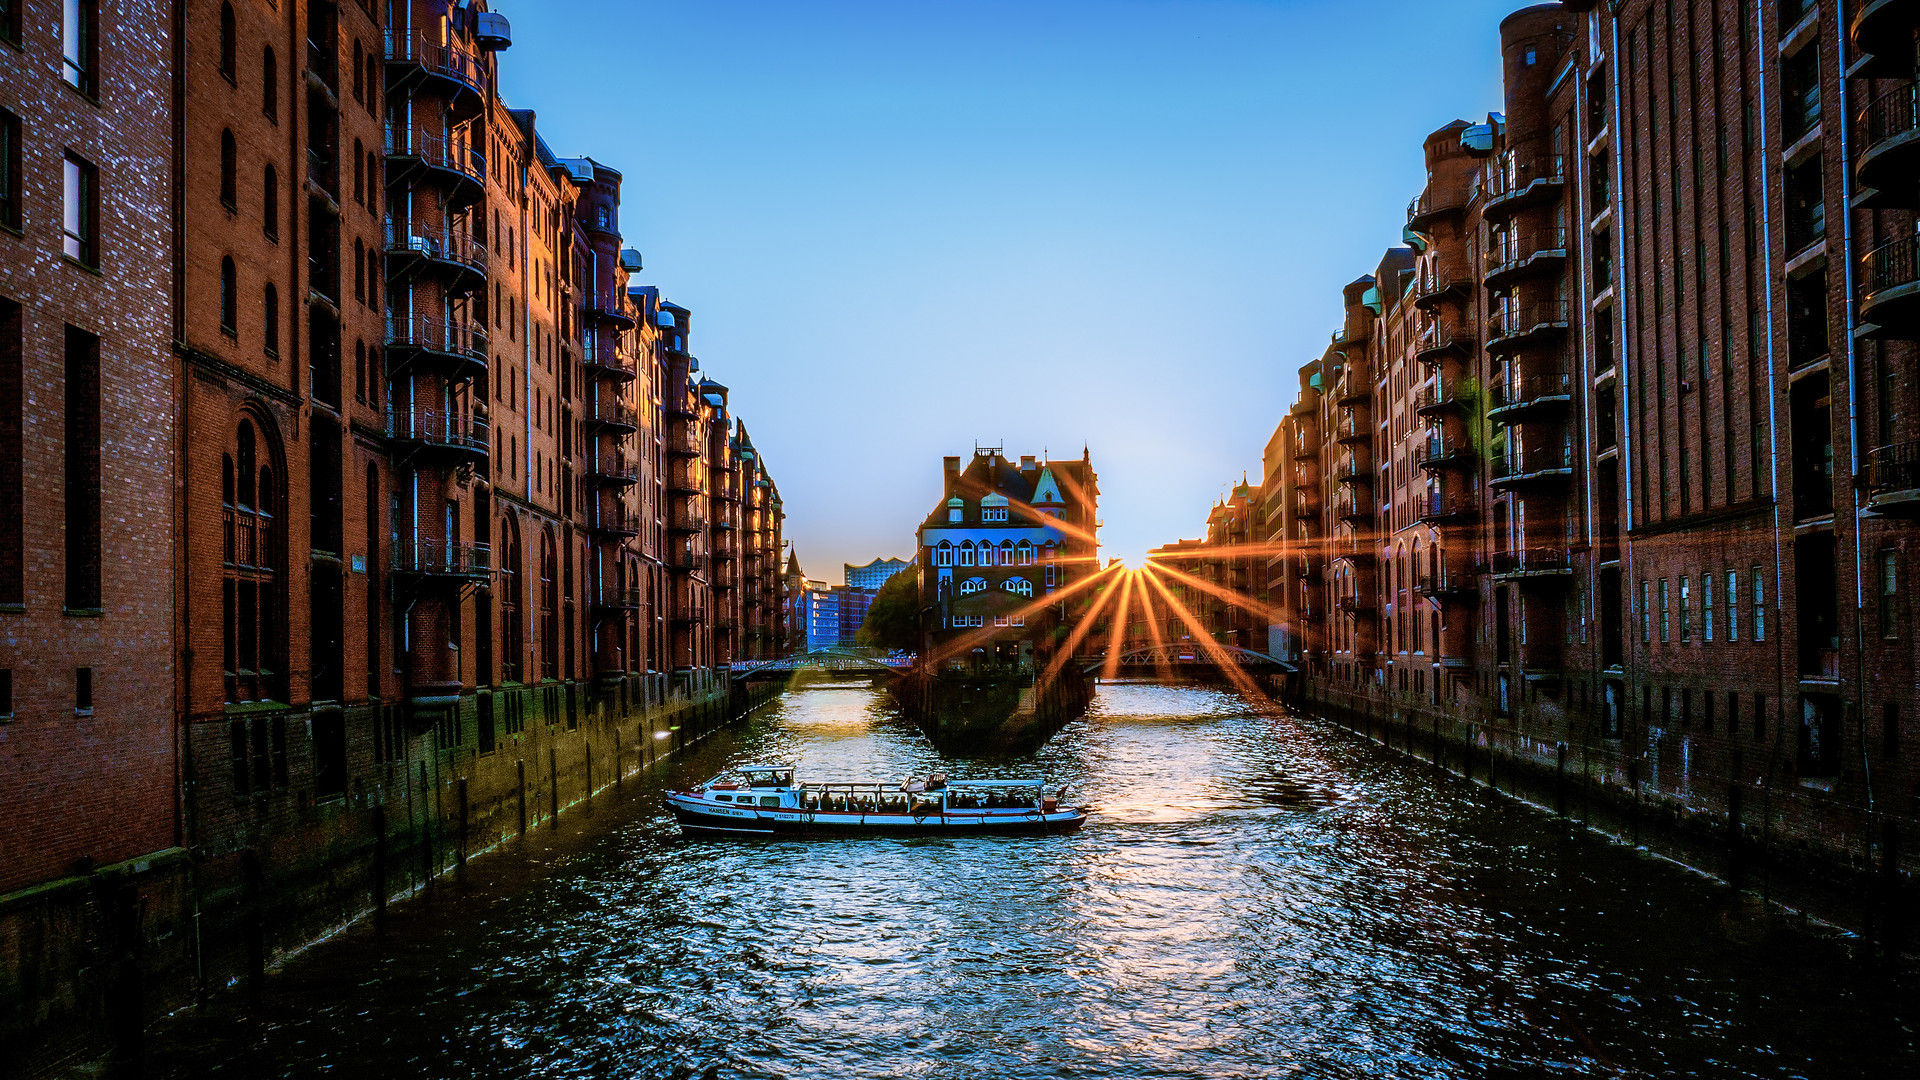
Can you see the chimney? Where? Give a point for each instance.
(1026, 463)
(952, 467)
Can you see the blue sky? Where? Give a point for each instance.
(908, 226)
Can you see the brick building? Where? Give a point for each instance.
(388, 499)
(1616, 451)
(992, 548)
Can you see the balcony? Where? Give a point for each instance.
(1530, 467)
(1356, 386)
(453, 560)
(1307, 570)
(1528, 392)
(1352, 471)
(1353, 605)
(612, 469)
(456, 346)
(1516, 182)
(1429, 291)
(1551, 564)
(1890, 290)
(1305, 449)
(685, 481)
(684, 560)
(613, 520)
(1886, 161)
(460, 167)
(1882, 34)
(1439, 341)
(1442, 395)
(1441, 452)
(1448, 585)
(723, 553)
(613, 417)
(1349, 429)
(1436, 507)
(419, 66)
(459, 260)
(1513, 329)
(684, 445)
(1893, 480)
(609, 309)
(454, 435)
(616, 601)
(610, 364)
(1524, 255)
(685, 521)
(1430, 206)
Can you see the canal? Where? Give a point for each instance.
(1257, 895)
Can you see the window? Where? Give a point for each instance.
(993, 513)
(549, 619)
(79, 21)
(1686, 612)
(257, 749)
(1646, 614)
(1018, 586)
(943, 555)
(271, 314)
(1706, 607)
(1023, 555)
(1806, 205)
(9, 169)
(83, 691)
(973, 585)
(6, 693)
(360, 371)
(359, 270)
(1666, 615)
(359, 73)
(1889, 729)
(229, 171)
(1053, 576)
(1759, 606)
(227, 47)
(1006, 553)
(1733, 605)
(82, 471)
(359, 172)
(270, 85)
(966, 553)
(270, 205)
(250, 569)
(229, 297)
(1800, 94)
(10, 28)
(80, 212)
(1889, 595)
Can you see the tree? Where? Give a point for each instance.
(893, 619)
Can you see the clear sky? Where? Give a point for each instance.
(907, 226)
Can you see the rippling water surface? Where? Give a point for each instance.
(1257, 895)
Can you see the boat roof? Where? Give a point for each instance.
(996, 783)
(765, 768)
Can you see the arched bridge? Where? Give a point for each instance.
(851, 661)
(1185, 657)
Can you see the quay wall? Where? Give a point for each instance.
(1750, 822)
(88, 960)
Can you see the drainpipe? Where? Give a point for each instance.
(526, 348)
(1773, 396)
(1630, 584)
(1853, 438)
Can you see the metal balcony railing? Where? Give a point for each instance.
(1441, 394)
(1436, 339)
(612, 414)
(618, 599)
(1525, 389)
(1511, 252)
(613, 519)
(1431, 204)
(1442, 506)
(1508, 327)
(1542, 462)
(1446, 583)
(454, 337)
(445, 61)
(461, 431)
(1893, 468)
(441, 245)
(1440, 450)
(611, 467)
(1517, 179)
(1890, 266)
(443, 558)
(1532, 560)
(439, 152)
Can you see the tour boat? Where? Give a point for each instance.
(764, 800)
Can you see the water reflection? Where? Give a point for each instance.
(1256, 896)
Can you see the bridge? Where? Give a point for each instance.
(849, 661)
(1185, 657)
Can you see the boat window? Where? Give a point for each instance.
(769, 800)
(724, 798)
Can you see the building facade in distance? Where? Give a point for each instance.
(874, 574)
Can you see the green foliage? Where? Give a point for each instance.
(893, 620)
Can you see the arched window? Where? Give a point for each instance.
(966, 553)
(1018, 586)
(1006, 553)
(1023, 555)
(271, 309)
(229, 288)
(270, 85)
(227, 49)
(513, 637)
(270, 204)
(549, 610)
(360, 371)
(359, 270)
(374, 277)
(250, 570)
(973, 585)
(373, 82)
(943, 555)
(229, 171)
(359, 78)
(359, 172)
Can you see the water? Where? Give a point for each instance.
(1257, 896)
